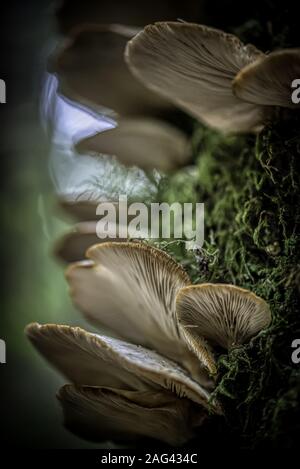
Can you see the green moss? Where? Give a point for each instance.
(251, 190)
(250, 187)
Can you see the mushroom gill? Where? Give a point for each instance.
(219, 315)
(106, 361)
(98, 413)
(268, 80)
(193, 66)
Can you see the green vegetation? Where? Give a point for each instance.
(251, 190)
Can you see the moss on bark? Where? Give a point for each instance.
(253, 213)
(251, 190)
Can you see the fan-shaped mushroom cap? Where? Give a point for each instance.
(193, 66)
(131, 289)
(268, 80)
(91, 69)
(101, 414)
(223, 315)
(91, 359)
(73, 245)
(146, 143)
(85, 211)
(80, 210)
(81, 357)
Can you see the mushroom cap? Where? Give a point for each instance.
(82, 357)
(91, 69)
(72, 246)
(131, 289)
(146, 143)
(78, 210)
(268, 80)
(85, 211)
(223, 315)
(193, 66)
(98, 360)
(97, 414)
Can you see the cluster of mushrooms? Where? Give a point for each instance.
(151, 371)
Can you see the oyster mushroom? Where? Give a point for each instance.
(268, 80)
(106, 361)
(72, 246)
(79, 210)
(212, 75)
(98, 414)
(193, 66)
(144, 142)
(91, 70)
(138, 293)
(136, 282)
(129, 384)
(219, 315)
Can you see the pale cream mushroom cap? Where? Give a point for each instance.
(143, 142)
(85, 211)
(109, 414)
(98, 360)
(130, 289)
(91, 69)
(72, 246)
(193, 66)
(219, 314)
(268, 80)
